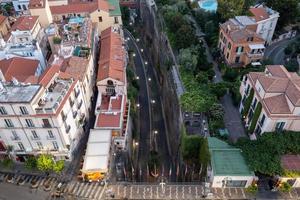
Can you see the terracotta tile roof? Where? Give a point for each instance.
(76, 67)
(74, 8)
(112, 56)
(293, 93)
(254, 76)
(24, 23)
(2, 19)
(36, 4)
(278, 71)
(20, 68)
(111, 103)
(239, 33)
(290, 162)
(277, 104)
(108, 120)
(259, 13)
(48, 74)
(273, 84)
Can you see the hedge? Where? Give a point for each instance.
(255, 117)
(247, 103)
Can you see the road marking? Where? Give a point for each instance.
(151, 193)
(77, 192)
(118, 190)
(157, 196)
(130, 195)
(91, 194)
(190, 190)
(138, 189)
(243, 193)
(124, 191)
(229, 192)
(72, 187)
(196, 189)
(176, 195)
(170, 194)
(86, 185)
(183, 192)
(144, 193)
(97, 193)
(87, 192)
(101, 193)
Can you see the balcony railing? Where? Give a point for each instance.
(51, 138)
(251, 55)
(35, 138)
(47, 126)
(15, 138)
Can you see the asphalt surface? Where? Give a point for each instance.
(155, 138)
(275, 52)
(143, 100)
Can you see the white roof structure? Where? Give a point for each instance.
(256, 46)
(97, 151)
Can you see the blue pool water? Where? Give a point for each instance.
(208, 5)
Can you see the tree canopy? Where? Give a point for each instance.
(230, 8)
(276, 144)
(45, 162)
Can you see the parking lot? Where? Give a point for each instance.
(195, 123)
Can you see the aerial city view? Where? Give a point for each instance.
(149, 99)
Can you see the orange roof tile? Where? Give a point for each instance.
(291, 162)
(2, 19)
(278, 71)
(76, 67)
(48, 74)
(74, 8)
(259, 13)
(108, 120)
(24, 23)
(36, 4)
(20, 68)
(112, 56)
(277, 104)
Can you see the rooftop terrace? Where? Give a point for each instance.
(15, 92)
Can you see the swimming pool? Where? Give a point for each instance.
(208, 5)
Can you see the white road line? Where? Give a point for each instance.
(243, 194)
(83, 189)
(124, 191)
(71, 189)
(97, 194)
(91, 191)
(176, 193)
(182, 192)
(151, 193)
(86, 193)
(118, 190)
(70, 186)
(78, 190)
(157, 196)
(130, 195)
(138, 189)
(144, 193)
(196, 190)
(39, 180)
(75, 189)
(102, 191)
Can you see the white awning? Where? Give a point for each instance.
(257, 46)
(97, 151)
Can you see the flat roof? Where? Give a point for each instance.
(14, 93)
(227, 160)
(97, 151)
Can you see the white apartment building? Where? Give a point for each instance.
(44, 117)
(25, 41)
(274, 96)
(266, 20)
(21, 7)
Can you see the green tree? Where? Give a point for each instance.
(204, 155)
(185, 36)
(216, 112)
(202, 77)
(292, 66)
(30, 163)
(45, 162)
(188, 59)
(190, 148)
(196, 101)
(219, 89)
(59, 166)
(125, 15)
(230, 8)
(288, 9)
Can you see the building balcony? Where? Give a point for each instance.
(47, 126)
(15, 138)
(255, 55)
(35, 138)
(51, 138)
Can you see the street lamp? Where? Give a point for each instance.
(142, 50)
(137, 39)
(155, 132)
(130, 23)
(149, 79)
(138, 105)
(127, 38)
(146, 63)
(133, 54)
(137, 78)
(153, 101)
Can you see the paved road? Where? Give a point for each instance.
(275, 52)
(145, 123)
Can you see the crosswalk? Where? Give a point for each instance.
(84, 189)
(28, 179)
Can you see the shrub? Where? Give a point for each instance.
(230, 74)
(30, 163)
(7, 163)
(285, 187)
(247, 103)
(56, 40)
(252, 189)
(255, 118)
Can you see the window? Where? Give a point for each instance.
(232, 183)
(46, 123)
(23, 110)
(8, 123)
(116, 20)
(40, 145)
(24, 7)
(237, 59)
(19, 7)
(262, 120)
(71, 102)
(55, 145)
(229, 45)
(14, 135)
(227, 56)
(249, 39)
(100, 19)
(63, 116)
(3, 111)
(29, 123)
(279, 126)
(50, 134)
(21, 146)
(239, 49)
(34, 135)
(254, 103)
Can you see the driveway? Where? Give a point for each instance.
(275, 52)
